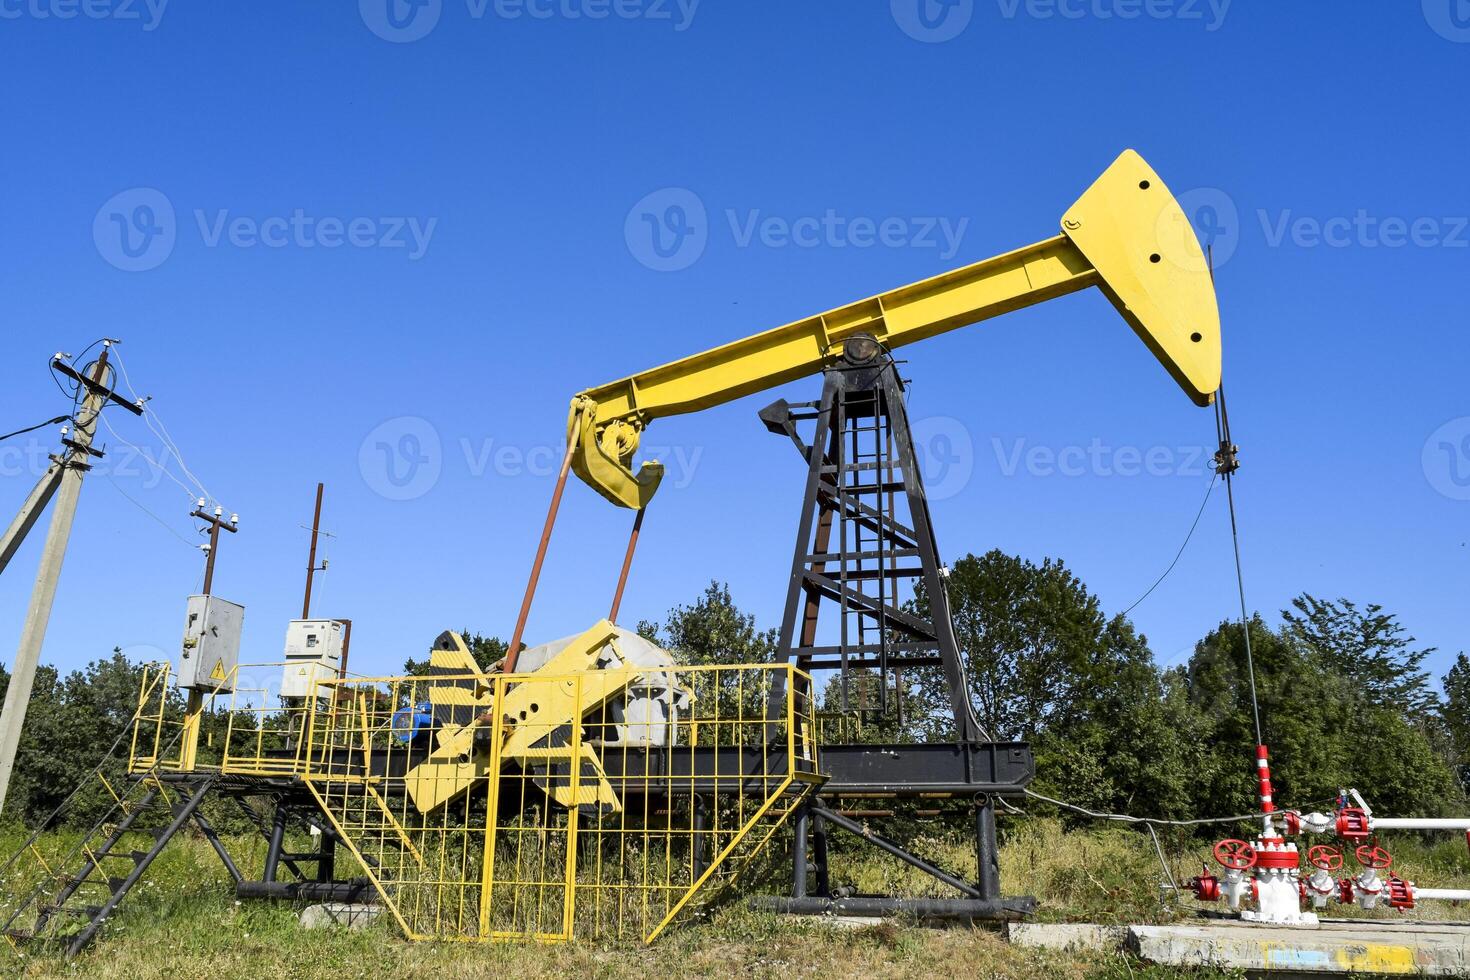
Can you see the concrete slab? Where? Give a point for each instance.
(1066, 935)
(348, 914)
(841, 921)
(1342, 946)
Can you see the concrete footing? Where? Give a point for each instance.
(1334, 946)
(351, 915)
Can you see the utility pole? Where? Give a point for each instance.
(195, 707)
(63, 480)
(216, 521)
(311, 569)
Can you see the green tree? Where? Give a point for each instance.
(1028, 633)
(1456, 715)
(713, 631)
(1323, 730)
(1369, 647)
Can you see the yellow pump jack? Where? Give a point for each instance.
(1126, 235)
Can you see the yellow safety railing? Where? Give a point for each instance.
(531, 806)
(610, 824)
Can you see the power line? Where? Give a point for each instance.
(1208, 490)
(136, 503)
(151, 417)
(33, 428)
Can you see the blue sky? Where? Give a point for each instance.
(360, 235)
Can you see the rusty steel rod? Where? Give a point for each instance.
(617, 602)
(561, 484)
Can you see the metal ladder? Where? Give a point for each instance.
(76, 894)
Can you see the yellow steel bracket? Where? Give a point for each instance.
(1126, 235)
(603, 456)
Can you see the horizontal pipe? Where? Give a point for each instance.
(1442, 894)
(1421, 823)
(924, 908)
(310, 891)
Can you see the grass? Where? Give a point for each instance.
(183, 921)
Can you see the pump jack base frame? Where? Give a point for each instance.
(975, 771)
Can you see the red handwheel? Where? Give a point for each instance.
(1373, 856)
(1325, 857)
(1236, 855)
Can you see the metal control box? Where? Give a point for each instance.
(211, 644)
(313, 653)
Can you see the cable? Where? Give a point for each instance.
(38, 425)
(149, 460)
(166, 526)
(1208, 490)
(1129, 819)
(1227, 465)
(150, 416)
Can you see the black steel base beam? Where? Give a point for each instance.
(1002, 909)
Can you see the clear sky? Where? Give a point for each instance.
(381, 244)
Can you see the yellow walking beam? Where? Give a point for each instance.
(1126, 235)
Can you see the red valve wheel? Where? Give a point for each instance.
(1236, 855)
(1373, 856)
(1325, 857)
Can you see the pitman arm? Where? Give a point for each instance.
(1126, 235)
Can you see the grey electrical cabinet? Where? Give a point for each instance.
(313, 653)
(211, 644)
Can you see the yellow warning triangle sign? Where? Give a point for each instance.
(218, 674)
